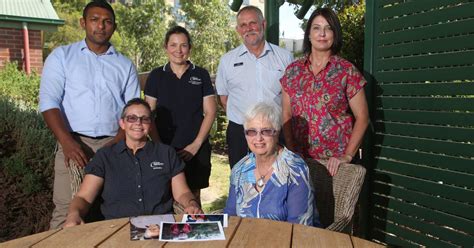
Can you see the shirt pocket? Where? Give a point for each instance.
(236, 75)
(272, 77)
(111, 96)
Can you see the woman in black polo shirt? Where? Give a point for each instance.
(183, 98)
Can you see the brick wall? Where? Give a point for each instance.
(11, 48)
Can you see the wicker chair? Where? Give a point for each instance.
(336, 196)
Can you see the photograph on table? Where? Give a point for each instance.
(147, 227)
(181, 232)
(222, 218)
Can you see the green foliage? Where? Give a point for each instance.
(26, 146)
(30, 153)
(209, 23)
(70, 4)
(141, 29)
(218, 132)
(70, 32)
(352, 22)
(19, 86)
(336, 4)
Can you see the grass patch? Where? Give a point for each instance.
(214, 197)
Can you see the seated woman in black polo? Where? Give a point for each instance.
(136, 176)
(183, 97)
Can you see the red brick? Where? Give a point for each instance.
(35, 34)
(13, 32)
(13, 42)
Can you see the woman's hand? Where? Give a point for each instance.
(73, 220)
(193, 210)
(193, 207)
(189, 151)
(334, 163)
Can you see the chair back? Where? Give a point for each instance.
(336, 197)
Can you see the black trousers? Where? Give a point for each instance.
(236, 143)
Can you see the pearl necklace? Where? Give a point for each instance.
(261, 180)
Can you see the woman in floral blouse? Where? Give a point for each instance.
(318, 92)
(271, 182)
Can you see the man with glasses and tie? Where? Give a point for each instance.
(84, 87)
(135, 176)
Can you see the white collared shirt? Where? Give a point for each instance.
(247, 80)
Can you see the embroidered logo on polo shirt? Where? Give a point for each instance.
(195, 81)
(155, 165)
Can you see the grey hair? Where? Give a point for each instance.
(255, 9)
(268, 111)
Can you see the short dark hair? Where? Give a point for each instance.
(178, 30)
(135, 101)
(333, 21)
(98, 3)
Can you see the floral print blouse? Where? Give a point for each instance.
(287, 196)
(322, 125)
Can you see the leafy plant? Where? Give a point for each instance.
(27, 146)
(209, 23)
(29, 150)
(352, 22)
(142, 28)
(19, 86)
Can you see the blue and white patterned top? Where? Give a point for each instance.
(287, 196)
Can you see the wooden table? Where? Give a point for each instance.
(241, 232)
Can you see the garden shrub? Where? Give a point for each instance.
(26, 157)
(27, 146)
(18, 86)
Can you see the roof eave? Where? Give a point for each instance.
(31, 20)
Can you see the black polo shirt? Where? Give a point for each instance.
(179, 102)
(137, 184)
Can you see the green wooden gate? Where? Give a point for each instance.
(419, 59)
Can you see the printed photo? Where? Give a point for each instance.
(147, 227)
(222, 218)
(179, 232)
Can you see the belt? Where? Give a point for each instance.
(90, 137)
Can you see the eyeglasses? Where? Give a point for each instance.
(264, 132)
(134, 118)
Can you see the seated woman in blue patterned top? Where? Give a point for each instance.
(271, 182)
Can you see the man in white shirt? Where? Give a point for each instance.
(247, 75)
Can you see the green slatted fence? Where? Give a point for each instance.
(419, 60)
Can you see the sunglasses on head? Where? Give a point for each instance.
(264, 132)
(134, 119)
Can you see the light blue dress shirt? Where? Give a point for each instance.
(89, 89)
(287, 196)
(247, 80)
